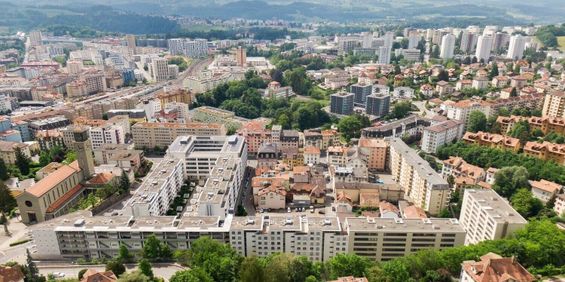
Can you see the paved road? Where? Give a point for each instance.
(71, 270)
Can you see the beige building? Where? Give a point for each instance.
(382, 239)
(493, 267)
(375, 151)
(8, 151)
(545, 190)
(485, 215)
(554, 104)
(150, 135)
(50, 194)
(423, 185)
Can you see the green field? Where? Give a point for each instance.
(561, 42)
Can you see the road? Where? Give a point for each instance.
(165, 270)
(422, 107)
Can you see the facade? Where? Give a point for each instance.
(425, 187)
(487, 216)
(375, 152)
(150, 135)
(160, 69)
(492, 140)
(8, 151)
(342, 103)
(197, 48)
(447, 46)
(377, 105)
(412, 126)
(464, 173)
(546, 151)
(545, 190)
(516, 47)
(437, 135)
(107, 134)
(554, 104)
(484, 46)
(360, 92)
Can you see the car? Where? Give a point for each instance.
(288, 210)
(322, 211)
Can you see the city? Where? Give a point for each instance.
(250, 149)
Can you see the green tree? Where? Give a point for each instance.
(4, 173)
(477, 121)
(521, 130)
(123, 254)
(7, 204)
(350, 126)
(278, 268)
(220, 260)
(400, 110)
(81, 273)
(134, 276)
(525, 204)
(124, 183)
(513, 92)
(493, 71)
(145, 268)
(116, 266)
(151, 248)
(508, 180)
(348, 265)
(196, 274)
(394, 271)
(22, 162)
(251, 270)
(301, 268)
(31, 271)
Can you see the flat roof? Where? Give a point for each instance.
(494, 205)
(403, 225)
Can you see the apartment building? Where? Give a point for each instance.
(156, 193)
(485, 215)
(412, 125)
(196, 48)
(200, 153)
(461, 110)
(8, 151)
(492, 140)
(361, 91)
(546, 151)
(493, 267)
(162, 134)
(546, 124)
(442, 133)
(424, 186)
(382, 239)
(342, 103)
(545, 190)
(374, 152)
(208, 80)
(377, 105)
(159, 69)
(464, 173)
(529, 101)
(554, 104)
(107, 134)
(317, 238)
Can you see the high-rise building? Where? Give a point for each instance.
(484, 45)
(160, 69)
(468, 42)
(241, 56)
(130, 41)
(554, 104)
(83, 147)
(447, 46)
(485, 215)
(499, 41)
(377, 105)
(436, 135)
(361, 91)
(384, 55)
(342, 103)
(516, 47)
(413, 39)
(35, 38)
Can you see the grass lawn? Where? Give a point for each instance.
(561, 42)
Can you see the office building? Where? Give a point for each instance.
(484, 46)
(162, 134)
(341, 103)
(423, 185)
(485, 215)
(377, 105)
(437, 135)
(447, 46)
(361, 91)
(516, 47)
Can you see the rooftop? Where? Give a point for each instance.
(495, 206)
(53, 179)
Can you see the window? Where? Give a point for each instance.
(28, 203)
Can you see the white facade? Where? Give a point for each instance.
(487, 216)
(447, 46)
(440, 134)
(516, 47)
(484, 46)
(108, 134)
(160, 69)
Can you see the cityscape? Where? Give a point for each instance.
(227, 141)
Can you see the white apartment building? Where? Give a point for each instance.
(107, 134)
(485, 215)
(162, 134)
(209, 80)
(462, 110)
(384, 55)
(197, 48)
(200, 153)
(484, 46)
(554, 104)
(423, 185)
(447, 46)
(160, 69)
(382, 239)
(516, 47)
(317, 238)
(157, 191)
(435, 136)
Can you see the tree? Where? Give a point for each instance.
(493, 71)
(145, 268)
(348, 265)
(278, 268)
(124, 183)
(508, 180)
(81, 273)
(301, 268)
(22, 162)
(116, 266)
(525, 204)
(521, 130)
(7, 204)
(4, 174)
(477, 122)
(134, 276)
(31, 271)
(123, 254)
(151, 248)
(196, 274)
(443, 75)
(513, 92)
(251, 270)
(350, 126)
(400, 110)
(394, 271)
